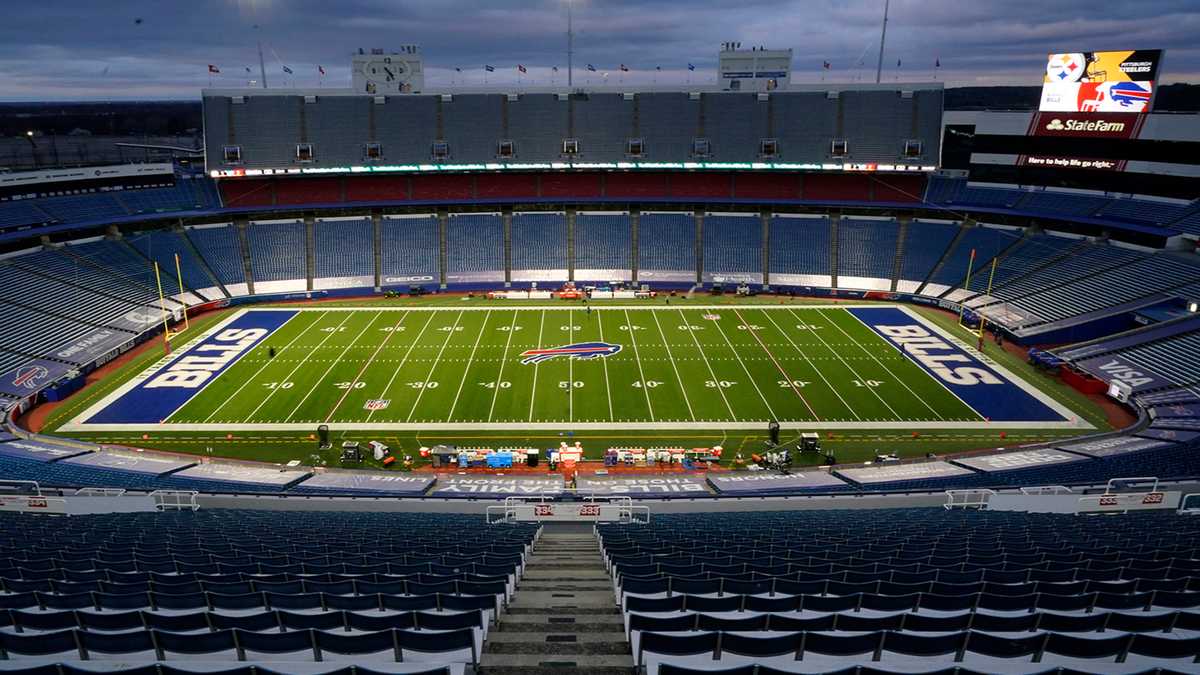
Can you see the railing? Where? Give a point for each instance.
(1130, 482)
(99, 492)
(601, 508)
(20, 487)
(179, 500)
(968, 499)
(1047, 490)
(1189, 505)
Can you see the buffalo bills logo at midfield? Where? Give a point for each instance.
(579, 350)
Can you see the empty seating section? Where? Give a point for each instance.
(277, 250)
(1064, 203)
(82, 208)
(603, 246)
(667, 244)
(20, 213)
(221, 248)
(1032, 253)
(343, 248)
(1175, 359)
(866, 253)
(272, 588)
(908, 590)
(49, 282)
(162, 246)
(1082, 261)
(186, 194)
(1111, 288)
(800, 247)
(408, 247)
(53, 296)
(987, 196)
(133, 274)
(733, 244)
(986, 242)
(1189, 223)
(32, 332)
(539, 246)
(1146, 211)
(924, 244)
(474, 248)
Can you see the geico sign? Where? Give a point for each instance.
(1086, 126)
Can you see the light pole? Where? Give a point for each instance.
(570, 44)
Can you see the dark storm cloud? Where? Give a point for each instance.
(69, 49)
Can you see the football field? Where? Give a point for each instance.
(608, 367)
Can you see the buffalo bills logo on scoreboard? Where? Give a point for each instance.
(30, 377)
(580, 350)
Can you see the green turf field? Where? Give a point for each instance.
(717, 367)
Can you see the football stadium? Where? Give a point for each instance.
(744, 365)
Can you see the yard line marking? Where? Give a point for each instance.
(533, 392)
(604, 362)
(820, 373)
(425, 385)
(471, 358)
(496, 389)
(881, 363)
(850, 368)
(298, 365)
(674, 367)
(362, 370)
(638, 358)
(744, 368)
(704, 356)
(335, 362)
(403, 360)
(783, 372)
(256, 373)
(571, 367)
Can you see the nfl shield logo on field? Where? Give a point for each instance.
(377, 404)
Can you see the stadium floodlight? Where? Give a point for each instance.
(1193, 307)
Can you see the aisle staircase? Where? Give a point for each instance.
(562, 618)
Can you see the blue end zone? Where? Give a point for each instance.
(156, 397)
(991, 394)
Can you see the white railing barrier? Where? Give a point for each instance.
(598, 508)
(967, 499)
(99, 492)
(1130, 482)
(20, 487)
(179, 500)
(1190, 504)
(1047, 490)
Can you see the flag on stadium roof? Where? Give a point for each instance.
(658, 67)
(937, 63)
(825, 65)
(248, 71)
(490, 69)
(321, 69)
(287, 70)
(624, 68)
(521, 68)
(897, 63)
(457, 69)
(554, 69)
(213, 69)
(591, 68)
(691, 66)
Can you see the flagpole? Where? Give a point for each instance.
(882, 37)
(570, 43)
(262, 66)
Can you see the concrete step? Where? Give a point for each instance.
(535, 664)
(588, 574)
(558, 636)
(562, 649)
(546, 610)
(564, 586)
(538, 624)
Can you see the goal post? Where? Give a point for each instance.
(169, 334)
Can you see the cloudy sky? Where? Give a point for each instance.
(150, 49)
